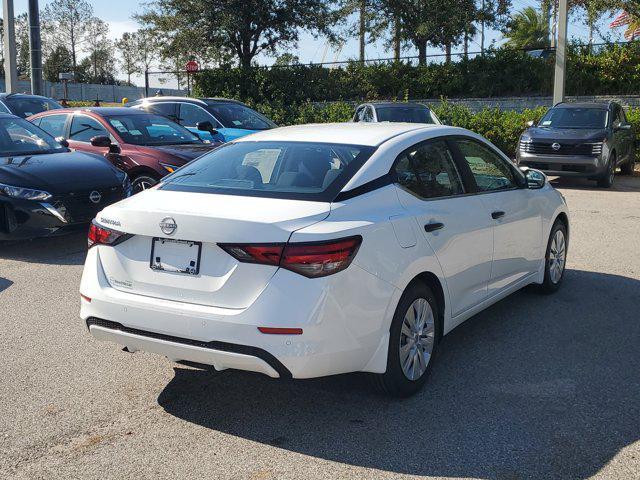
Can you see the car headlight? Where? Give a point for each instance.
(24, 193)
(168, 167)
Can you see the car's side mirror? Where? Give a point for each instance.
(62, 141)
(530, 124)
(535, 178)
(104, 141)
(624, 126)
(206, 126)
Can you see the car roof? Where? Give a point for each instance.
(112, 110)
(203, 100)
(397, 104)
(370, 134)
(598, 105)
(8, 115)
(23, 95)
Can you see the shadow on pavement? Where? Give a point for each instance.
(4, 284)
(69, 249)
(535, 386)
(621, 184)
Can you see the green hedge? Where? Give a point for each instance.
(614, 70)
(501, 127)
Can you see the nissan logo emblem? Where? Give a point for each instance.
(555, 146)
(95, 197)
(168, 226)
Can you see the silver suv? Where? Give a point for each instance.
(580, 140)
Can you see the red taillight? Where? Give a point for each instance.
(99, 235)
(280, 331)
(313, 259)
(85, 298)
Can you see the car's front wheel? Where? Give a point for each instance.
(629, 167)
(606, 181)
(413, 341)
(143, 182)
(555, 258)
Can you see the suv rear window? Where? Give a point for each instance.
(294, 170)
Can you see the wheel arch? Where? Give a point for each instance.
(143, 170)
(432, 281)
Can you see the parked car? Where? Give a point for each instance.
(580, 140)
(223, 119)
(322, 249)
(144, 145)
(395, 112)
(24, 105)
(45, 188)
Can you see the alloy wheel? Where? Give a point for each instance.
(557, 257)
(417, 339)
(142, 183)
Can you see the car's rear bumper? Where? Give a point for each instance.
(344, 320)
(564, 165)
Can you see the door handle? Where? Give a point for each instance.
(433, 226)
(497, 214)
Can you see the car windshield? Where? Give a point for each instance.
(294, 170)
(19, 137)
(408, 114)
(578, 118)
(27, 106)
(150, 130)
(234, 115)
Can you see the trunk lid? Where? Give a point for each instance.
(210, 219)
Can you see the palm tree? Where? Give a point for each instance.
(528, 29)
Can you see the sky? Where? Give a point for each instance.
(118, 13)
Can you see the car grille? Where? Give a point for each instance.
(546, 148)
(77, 207)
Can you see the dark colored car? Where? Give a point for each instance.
(580, 140)
(144, 145)
(226, 119)
(45, 188)
(25, 105)
(407, 112)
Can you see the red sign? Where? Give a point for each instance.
(192, 66)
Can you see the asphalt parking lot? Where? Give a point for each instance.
(534, 387)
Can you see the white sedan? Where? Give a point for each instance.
(316, 250)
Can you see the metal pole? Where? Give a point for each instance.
(36, 49)
(10, 64)
(146, 83)
(561, 57)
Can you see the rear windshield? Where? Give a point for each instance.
(575, 118)
(404, 114)
(293, 170)
(27, 106)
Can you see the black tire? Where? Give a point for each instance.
(394, 382)
(142, 182)
(551, 283)
(606, 181)
(629, 167)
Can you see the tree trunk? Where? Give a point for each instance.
(482, 30)
(554, 24)
(466, 45)
(448, 52)
(363, 27)
(422, 51)
(396, 40)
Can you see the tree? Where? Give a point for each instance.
(147, 46)
(23, 55)
(97, 68)
(593, 10)
(127, 46)
(58, 62)
(528, 29)
(369, 24)
(286, 59)
(69, 21)
(494, 14)
(241, 28)
(98, 43)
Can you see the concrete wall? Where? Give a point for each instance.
(86, 91)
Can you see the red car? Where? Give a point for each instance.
(144, 145)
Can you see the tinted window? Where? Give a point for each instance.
(191, 114)
(408, 114)
(359, 114)
(84, 128)
(296, 170)
(166, 109)
(149, 129)
(490, 170)
(429, 171)
(53, 125)
(367, 115)
(19, 137)
(3, 108)
(27, 106)
(234, 115)
(578, 118)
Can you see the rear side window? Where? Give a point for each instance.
(166, 109)
(84, 128)
(190, 115)
(53, 125)
(294, 170)
(490, 171)
(428, 170)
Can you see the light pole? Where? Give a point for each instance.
(561, 53)
(10, 65)
(35, 46)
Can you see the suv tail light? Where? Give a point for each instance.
(311, 259)
(99, 235)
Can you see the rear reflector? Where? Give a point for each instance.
(311, 259)
(85, 298)
(280, 331)
(99, 235)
